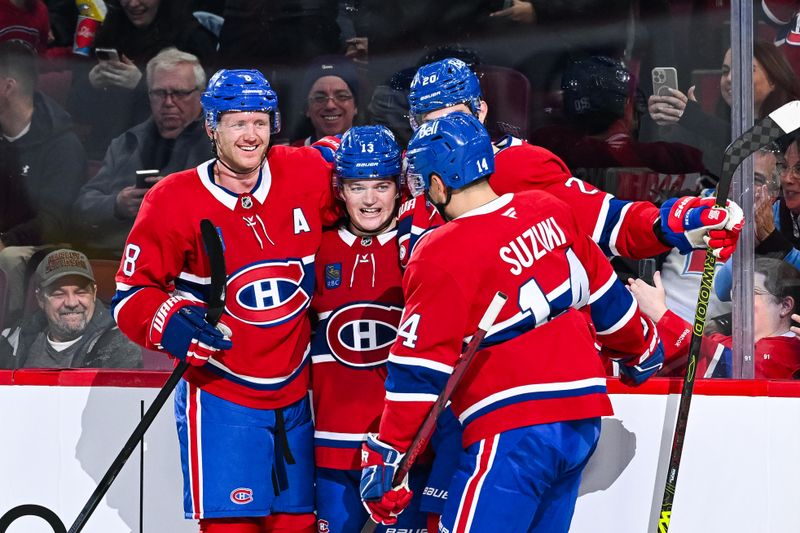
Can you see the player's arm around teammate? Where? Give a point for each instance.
(242, 411)
(530, 409)
(630, 229)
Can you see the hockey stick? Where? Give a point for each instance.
(462, 363)
(783, 120)
(216, 305)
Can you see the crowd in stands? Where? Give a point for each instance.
(572, 77)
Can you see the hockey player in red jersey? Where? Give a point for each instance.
(630, 229)
(357, 302)
(530, 408)
(248, 467)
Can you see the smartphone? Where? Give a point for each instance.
(664, 78)
(106, 54)
(647, 267)
(142, 175)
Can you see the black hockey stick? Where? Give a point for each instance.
(216, 305)
(783, 120)
(462, 363)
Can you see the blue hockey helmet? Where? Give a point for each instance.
(441, 84)
(455, 147)
(239, 90)
(367, 152)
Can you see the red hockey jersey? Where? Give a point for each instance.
(358, 301)
(775, 357)
(620, 227)
(270, 237)
(539, 363)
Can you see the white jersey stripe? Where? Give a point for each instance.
(419, 361)
(622, 321)
(333, 435)
(410, 397)
(261, 381)
(601, 219)
(596, 295)
(192, 278)
(527, 389)
(612, 240)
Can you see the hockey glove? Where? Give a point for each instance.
(180, 328)
(379, 462)
(723, 241)
(327, 146)
(687, 222)
(636, 370)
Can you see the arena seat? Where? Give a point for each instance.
(508, 92)
(104, 272)
(56, 84)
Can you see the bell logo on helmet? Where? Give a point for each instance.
(429, 128)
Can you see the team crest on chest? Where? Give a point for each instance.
(361, 334)
(333, 275)
(268, 293)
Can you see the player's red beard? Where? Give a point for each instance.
(229, 167)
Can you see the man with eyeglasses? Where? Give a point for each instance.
(331, 88)
(172, 139)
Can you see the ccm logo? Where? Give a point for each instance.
(242, 496)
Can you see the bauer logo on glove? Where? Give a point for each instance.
(691, 222)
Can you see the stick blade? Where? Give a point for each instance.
(787, 117)
(216, 258)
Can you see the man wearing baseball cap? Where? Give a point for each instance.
(71, 329)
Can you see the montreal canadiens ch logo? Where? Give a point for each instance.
(267, 294)
(361, 334)
(242, 496)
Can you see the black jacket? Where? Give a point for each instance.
(40, 176)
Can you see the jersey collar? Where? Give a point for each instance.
(350, 238)
(489, 207)
(228, 198)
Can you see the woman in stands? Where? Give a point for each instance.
(774, 84)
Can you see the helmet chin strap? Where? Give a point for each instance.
(439, 205)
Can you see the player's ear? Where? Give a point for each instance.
(437, 184)
(483, 112)
(787, 306)
(209, 131)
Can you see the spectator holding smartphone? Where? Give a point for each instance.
(172, 139)
(112, 97)
(774, 84)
